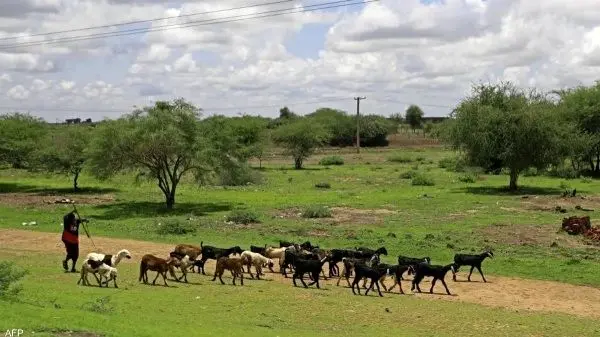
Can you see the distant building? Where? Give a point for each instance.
(434, 119)
(73, 121)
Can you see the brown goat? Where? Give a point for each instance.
(234, 264)
(192, 251)
(153, 263)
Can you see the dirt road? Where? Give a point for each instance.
(505, 292)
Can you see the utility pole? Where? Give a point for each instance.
(357, 99)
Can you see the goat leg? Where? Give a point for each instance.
(444, 283)
(164, 275)
(454, 272)
(471, 272)
(157, 274)
(480, 272)
(220, 279)
(432, 285)
(378, 290)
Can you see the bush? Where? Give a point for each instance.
(422, 180)
(317, 211)
(453, 164)
(563, 171)
(468, 177)
(400, 159)
(239, 175)
(408, 174)
(420, 159)
(9, 276)
(531, 172)
(175, 227)
(323, 185)
(332, 160)
(243, 217)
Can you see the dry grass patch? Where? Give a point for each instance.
(342, 215)
(36, 199)
(530, 235)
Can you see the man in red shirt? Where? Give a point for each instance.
(70, 237)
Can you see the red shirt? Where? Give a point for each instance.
(71, 233)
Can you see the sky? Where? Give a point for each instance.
(394, 53)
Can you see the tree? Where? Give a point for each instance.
(504, 125)
(161, 142)
(20, 135)
(64, 150)
(300, 139)
(414, 116)
(286, 113)
(581, 105)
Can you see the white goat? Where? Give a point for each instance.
(106, 272)
(256, 259)
(181, 261)
(109, 260)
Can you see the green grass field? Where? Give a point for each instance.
(372, 206)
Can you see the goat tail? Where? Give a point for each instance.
(201, 244)
(142, 268)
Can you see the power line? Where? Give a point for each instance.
(234, 18)
(125, 23)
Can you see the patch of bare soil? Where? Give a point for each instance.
(343, 215)
(36, 199)
(505, 292)
(531, 235)
(550, 203)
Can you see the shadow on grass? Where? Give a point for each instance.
(288, 169)
(21, 188)
(142, 209)
(525, 190)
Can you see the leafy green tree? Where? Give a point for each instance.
(162, 142)
(286, 113)
(581, 105)
(64, 150)
(414, 116)
(20, 136)
(503, 124)
(300, 139)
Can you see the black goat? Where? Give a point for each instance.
(370, 252)
(259, 250)
(211, 252)
(437, 272)
(337, 255)
(350, 263)
(395, 271)
(473, 260)
(374, 274)
(306, 245)
(412, 261)
(313, 267)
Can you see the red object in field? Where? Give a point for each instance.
(581, 225)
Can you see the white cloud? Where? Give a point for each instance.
(18, 92)
(394, 52)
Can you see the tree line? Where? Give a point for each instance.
(170, 140)
(498, 127)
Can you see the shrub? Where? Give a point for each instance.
(9, 276)
(323, 184)
(400, 159)
(175, 227)
(531, 172)
(453, 164)
(420, 159)
(422, 180)
(332, 160)
(468, 178)
(408, 174)
(243, 217)
(239, 175)
(317, 211)
(563, 171)
(586, 180)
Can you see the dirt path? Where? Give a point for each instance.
(505, 292)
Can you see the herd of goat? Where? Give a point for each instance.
(362, 262)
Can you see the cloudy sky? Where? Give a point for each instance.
(394, 52)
